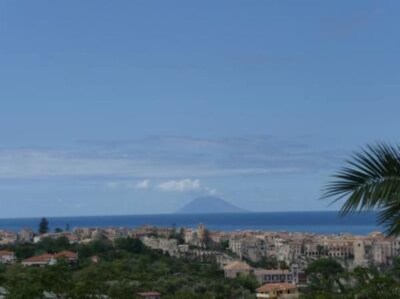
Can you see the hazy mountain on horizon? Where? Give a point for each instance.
(209, 205)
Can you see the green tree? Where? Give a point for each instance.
(57, 279)
(248, 282)
(268, 262)
(23, 251)
(180, 237)
(122, 290)
(43, 226)
(371, 283)
(325, 277)
(129, 244)
(51, 245)
(370, 181)
(207, 242)
(22, 282)
(90, 282)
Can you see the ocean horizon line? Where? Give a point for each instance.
(194, 214)
(307, 221)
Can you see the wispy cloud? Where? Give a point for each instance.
(175, 158)
(124, 184)
(180, 185)
(145, 184)
(185, 185)
(172, 185)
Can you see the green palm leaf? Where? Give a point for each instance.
(370, 181)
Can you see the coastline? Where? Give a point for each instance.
(313, 222)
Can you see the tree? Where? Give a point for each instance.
(22, 282)
(181, 236)
(51, 245)
(129, 244)
(172, 234)
(57, 279)
(23, 251)
(207, 239)
(268, 262)
(371, 283)
(43, 226)
(371, 181)
(324, 275)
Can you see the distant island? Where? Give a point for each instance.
(209, 205)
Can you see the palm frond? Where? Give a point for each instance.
(371, 180)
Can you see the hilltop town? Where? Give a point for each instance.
(277, 260)
(254, 246)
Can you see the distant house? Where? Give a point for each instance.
(150, 295)
(70, 256)
(7, 257)
(278, 291)
(237, 268)
(94, 259)
(273, 276)
(50, 259)
(38, 260)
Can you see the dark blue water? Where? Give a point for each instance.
(318, 222)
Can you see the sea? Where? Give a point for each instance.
(313, 222)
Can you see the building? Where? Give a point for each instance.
(94, 259)
(7, 257)
(237, 268)
(251, 247)
(70, 256)
(50, 259)
(7, 237)
(25, 235)
(169, 246)
(149, 295)
(265, 276)
(278, 291)
(39, 260)
(201, 232)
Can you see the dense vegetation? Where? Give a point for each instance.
(124, 268)
(329, 280)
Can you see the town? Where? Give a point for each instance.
(277, 260)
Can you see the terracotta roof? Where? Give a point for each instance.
(39, 258)
(149, 294)
(66, 254)
(266, 288)
(237, 265)
(6, 252)
(46, 257)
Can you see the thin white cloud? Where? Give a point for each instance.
(140, 185)
(111, 185)
(145, 184)
(211, 191)
(185, 185)
(21, 164)
(180, 185)
(166, 158)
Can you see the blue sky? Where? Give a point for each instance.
(133, 107)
